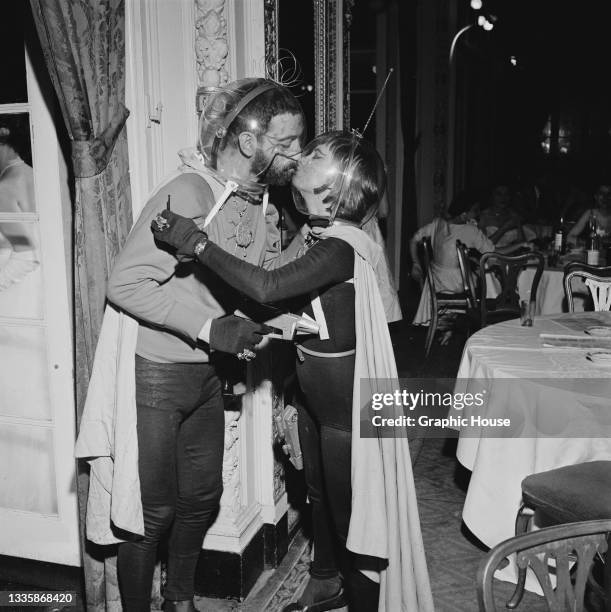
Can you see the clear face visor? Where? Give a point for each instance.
(274, 149)
(338, 179)
(333, 177)
(220, 110)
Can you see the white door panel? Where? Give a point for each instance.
(38, 505)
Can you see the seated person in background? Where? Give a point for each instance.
(498, 220)
(444, 232)
(601, 211)
(576, 201)
(17, 243)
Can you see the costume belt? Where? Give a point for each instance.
(301, 350)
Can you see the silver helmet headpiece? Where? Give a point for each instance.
(355, 179)
(226, 112)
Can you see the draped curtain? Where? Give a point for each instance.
(83, 42)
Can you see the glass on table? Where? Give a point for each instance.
(593, 257)
(527, 313)
(551, 259)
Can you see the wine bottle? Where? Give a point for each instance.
(593, 242)
(559, 238)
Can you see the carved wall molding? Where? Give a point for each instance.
(277, 408)
(211, 47)
(231, 498)
(271, 39)
(270, 366)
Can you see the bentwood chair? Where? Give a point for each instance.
(507, 269)
(597, 279)
(580, 492)
(441, 302)
(573, 547)
(466, 271)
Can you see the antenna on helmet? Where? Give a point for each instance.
(357, 135)
(375, 105)
(286, 70)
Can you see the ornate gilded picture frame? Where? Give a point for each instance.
(331, 55)
(332, 20)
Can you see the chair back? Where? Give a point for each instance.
(426, 258)
(565, 544)
(597, 279)
(464, 263)
(507, 268)
(441, 302)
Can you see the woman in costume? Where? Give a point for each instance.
(365, 517)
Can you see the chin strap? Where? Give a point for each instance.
(230, 187)
(193, 159)
(318, 224)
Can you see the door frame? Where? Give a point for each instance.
(25, 534)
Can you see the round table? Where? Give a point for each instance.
(507, 351)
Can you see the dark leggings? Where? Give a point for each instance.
(325, 434)
(180, 454)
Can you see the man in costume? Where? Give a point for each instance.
(250, 136)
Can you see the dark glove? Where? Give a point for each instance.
(180, 232)
(233, 334)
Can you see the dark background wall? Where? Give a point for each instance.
(535, 95)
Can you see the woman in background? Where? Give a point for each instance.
(600, 213)
(17, 242)
(499, 221)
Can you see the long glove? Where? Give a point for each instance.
(179, 232)
(232, 334)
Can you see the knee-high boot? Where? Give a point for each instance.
(363, 593)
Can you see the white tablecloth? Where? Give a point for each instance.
(499, 465)
(550, 293)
